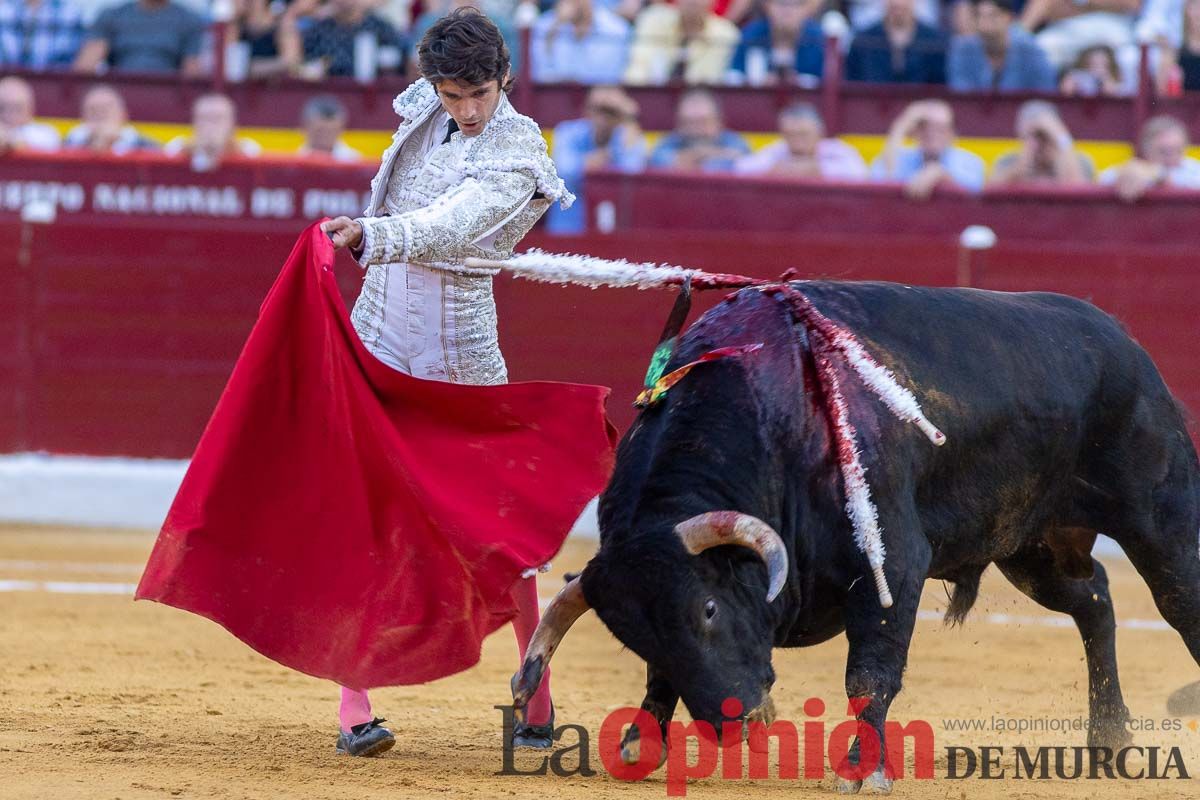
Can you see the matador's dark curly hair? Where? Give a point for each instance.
(464, 46)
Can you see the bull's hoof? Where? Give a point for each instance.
(1185, 701)
(847, 786)
(1110, 729)
(631, 749)
(877, 783)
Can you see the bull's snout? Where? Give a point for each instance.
(764, 715)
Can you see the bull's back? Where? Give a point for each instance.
(983, 357)
(1039, 394)
(1053, 412)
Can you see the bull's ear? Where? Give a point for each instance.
(566, 607)
(731, 527)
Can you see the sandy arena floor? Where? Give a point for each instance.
(104, 698)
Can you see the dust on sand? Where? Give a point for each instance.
(104, 698)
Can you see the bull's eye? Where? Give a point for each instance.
(710, 609)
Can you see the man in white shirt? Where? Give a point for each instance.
(214, 135)
(804, 151)
(1164, 161)
(579, 41)
(324, 121)
(104, 126)
(935, 160)
(18, 131)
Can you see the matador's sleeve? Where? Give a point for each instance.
(499, 179)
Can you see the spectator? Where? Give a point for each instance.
(144, 36)
(496, 12)
(579, 41)
(607, 136)
(324, 121)
(685, 40)
(935, 161)
(1095, 72)
(39, 34)
(1067, 27)
(1000, 55)
(1164, 143)
(18, 131)
(700, 140)
(1047, 153)
(270, 34)
(787, 40)
(804, 151)
(105, 125)
(214, 135)
(898, 49)
(331, 39)
(865, 13)
(1180, 59)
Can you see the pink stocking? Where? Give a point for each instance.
(525, 593)
(355, 709)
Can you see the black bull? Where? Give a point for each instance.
(1059, 426)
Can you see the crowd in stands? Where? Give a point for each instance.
(1080, 47)
(105, 129)
(920, 152)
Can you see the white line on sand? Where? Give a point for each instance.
(16, 565)
(68, 587)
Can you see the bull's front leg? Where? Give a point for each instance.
(879, 638)
(660, 701)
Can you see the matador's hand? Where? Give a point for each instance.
(344, 232)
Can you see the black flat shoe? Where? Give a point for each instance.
(539, 737)
(368, 739)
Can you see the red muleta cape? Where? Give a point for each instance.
(358, 524)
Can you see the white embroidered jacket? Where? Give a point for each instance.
(433, 204)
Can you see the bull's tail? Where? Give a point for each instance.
(966, 591)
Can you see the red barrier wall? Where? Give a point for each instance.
(118, 327)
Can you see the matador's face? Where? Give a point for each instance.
(470, 106)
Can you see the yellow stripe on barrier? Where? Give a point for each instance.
(372, 143)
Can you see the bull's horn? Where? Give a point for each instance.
(564, 609)
(730, 527)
